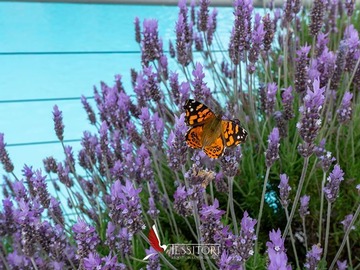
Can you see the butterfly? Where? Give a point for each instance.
(209, 132)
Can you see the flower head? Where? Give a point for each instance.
(313, 257)
(58, 122)
(331, 189)
(345, 111)
(304, 205)
(272, 152)
(4, 156)
(284, 190)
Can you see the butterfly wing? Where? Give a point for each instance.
(216, 149)
(233, 132)
(193, 137)
(196, 113)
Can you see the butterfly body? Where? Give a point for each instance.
(210, 132)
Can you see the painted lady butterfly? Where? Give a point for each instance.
(209, 132)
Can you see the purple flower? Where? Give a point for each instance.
(199, 43)
(326, 161)
(86, 239)
(269, 29)
(177, 150)
(287, 12)
(345, 111)
(284, 190)
(182, 204)
(241, 31)
(154, 260)
(322, 67)
(257, 39)
(276, 252)
(150, 44)
(230, 161)
(125, 208)
(4, 156)
(50, 164)
(7, 219)
(174, 86)
(346, 222)
(63, 174)
(137, 30)
(349, 5)
(339, 65)
(331, 189)
(211, 27)
(301, 68)
(153, 212)
(281, 124)
(351, 37)
(246, 237)
(58, 122)
(310, 122)
(183, 48)
(163, 67)
(171, 50)
(313, 257)
(210, 217)
(40, 188)
(321, 43)
(89, 110)
(201, 91)
(317, 16)
(272, 152)
(270, 98)
(342, 265)
(203, 15)
(304, 206)
(92, 262)
(55, 212)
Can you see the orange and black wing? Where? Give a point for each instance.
(216, 149)
(233, 132)
(193, 137)
(196, 113)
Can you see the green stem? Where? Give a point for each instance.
(261, 210)
(321, 205)
(349, 252)
(293, 241)
(327, 230)
(231, 203)
(297, 196)
(345, 237)
(305, 235)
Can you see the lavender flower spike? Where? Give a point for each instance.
(4, 156)
(272, 153)
(345, 111)
(58, 122)
(317, 16)
(331, 190)
(347, 221)
(276, 252)
(304, 205)
(284, 190)
(310, 122)
(150, 43)
(203, 15)
(313, 257)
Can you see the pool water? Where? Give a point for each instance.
(49, 27)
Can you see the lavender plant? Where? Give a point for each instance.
(292, 80)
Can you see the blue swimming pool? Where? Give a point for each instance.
(28, 28)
